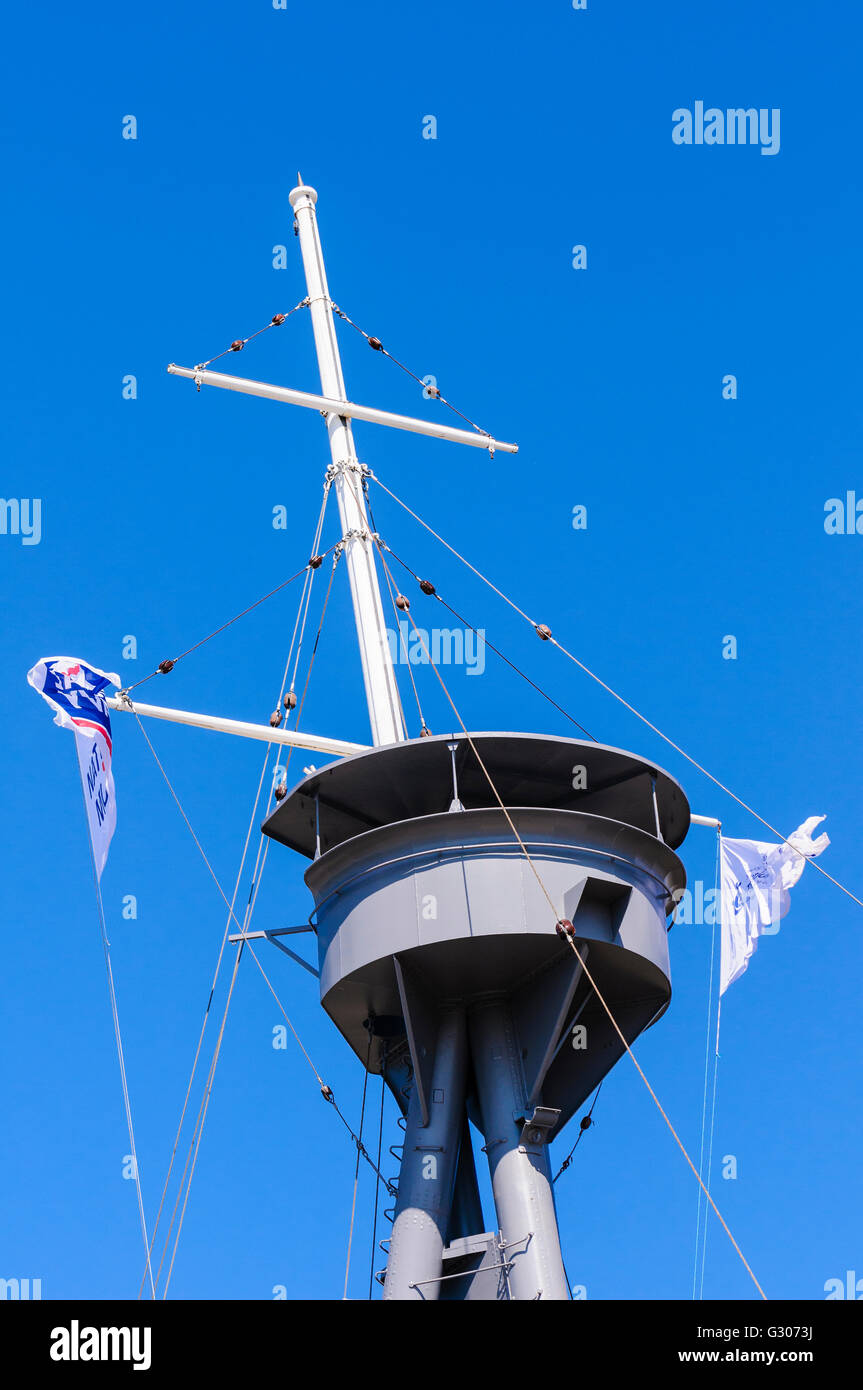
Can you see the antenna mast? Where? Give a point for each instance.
(382, 695)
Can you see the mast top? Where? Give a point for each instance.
(302, 190)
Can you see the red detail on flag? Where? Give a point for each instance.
(88, 724)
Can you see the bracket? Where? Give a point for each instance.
(537, 1128)
(271, 937)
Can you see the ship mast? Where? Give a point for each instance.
(452, 878)
(382, 695)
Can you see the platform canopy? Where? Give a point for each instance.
(415, 778)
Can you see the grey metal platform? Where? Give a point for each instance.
(435, 936)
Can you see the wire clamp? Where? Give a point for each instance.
(536, 1130)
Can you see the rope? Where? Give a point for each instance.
(377, 1185)
(710, 1150)
(706, 1070)
(239, 343)
(198, 1129)
(106, 950)
(656, 1101)
(403, 643)
(590, 978)
(336, 558)
(357, 1168)
(547, 635)
(207, 1010)
(307, 584)
(202, 1117)
(361, 498)
(326, 1091)
(476, 754)
(305, 597)
(231, 915)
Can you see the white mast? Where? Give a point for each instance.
(381, 691)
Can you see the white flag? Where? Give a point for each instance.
(74, 690)
(756, 877)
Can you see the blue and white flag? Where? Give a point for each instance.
(756, 877)
(75, 691)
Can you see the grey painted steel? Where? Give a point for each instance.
(419, 1023)
(474, 1269)
(518, 1160)
(425, 913)
(466, 1217)
(427, 1176)
(412, 779)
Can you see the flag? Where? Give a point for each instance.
(74, 690)
(756, 877)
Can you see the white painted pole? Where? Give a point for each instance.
(350, 409)
(313, 743)
(705, 820)
(382, 694)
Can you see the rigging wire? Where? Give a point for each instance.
(430, 391)
(239, 343)
(357, 1168)
(263, 840)
(325, 1090)
(373, 1260)
(127, 1105)
(586, 1122)
(582, 962)
(361, 508)
(706, 1069)
(710, 1149)
(206, 1104)
(250, 907)
(656, 1100)
(165, 667)
(403, 644)
(545, 633)
(309, 576)
(424, 583)
(476, 754)
(211, 1076)
(207, 1012)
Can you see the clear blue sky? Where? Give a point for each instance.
(705, 518)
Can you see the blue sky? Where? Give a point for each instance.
(705, 518)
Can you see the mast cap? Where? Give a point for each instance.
(302, 190)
